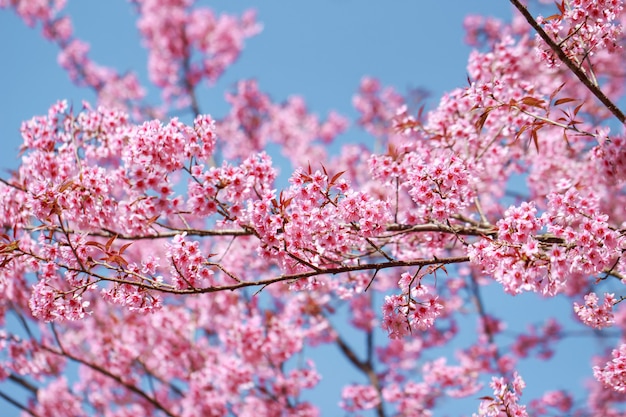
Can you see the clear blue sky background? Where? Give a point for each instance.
(318, 49)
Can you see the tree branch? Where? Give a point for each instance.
(153, 401)
(287, 277)
(366, 368)
(23, 382)
(569, 63)
(16, 404)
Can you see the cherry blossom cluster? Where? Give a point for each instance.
(411, 399)
(132, 247)
(388, 168)
(133, 297)
(188, 44)
(482, 29)
(364, 317)
(154, 151)
(188, 268)
(121, 164)
(415, 308)
(227, 189)
(513, 259)
(591, 244)
(359, 397)
(249, 110)
(579, 243)
(456, 381)
(58, 399)
(583, 28)
(613, 374)
(594, 315)
(316, 221)
(48, 305)
(438, 185)
(441, 187)
(542, 339)
(45, 12)
(404, 122)
(611, 159)
(377, 106)
(550, 403)
(25, 357)
(254, 121)
(505, 399)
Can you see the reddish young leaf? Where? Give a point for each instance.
(563, 101)
(532, 101)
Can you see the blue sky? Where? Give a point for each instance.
(319, 50)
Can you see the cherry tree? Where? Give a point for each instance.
(156, 267)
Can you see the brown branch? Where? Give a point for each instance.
(378, 250)
(248, 231)
(146, 283)
(288, 277)
(441, 228)
(151, 374)
(176, 232)
(16, 404)
(224, 270)
(23, 382)
(114, 377)
(595, 90)
(69, 243)
(8, 184)
(365, 367)
(480, 307)
(186, 64)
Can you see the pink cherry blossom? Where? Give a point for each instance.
(613, 373)
(594, 315)
(159, 258)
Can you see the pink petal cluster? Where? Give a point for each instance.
(540, 339)
(505, 400)
(254, 121)
(359, 397)
(613, 373)
(611, 159)
(514, 258)
(175, 33)
(594, 315)
(580, 242)
(552, 400)
(161, 266)
(583, 28)
(415, 308)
